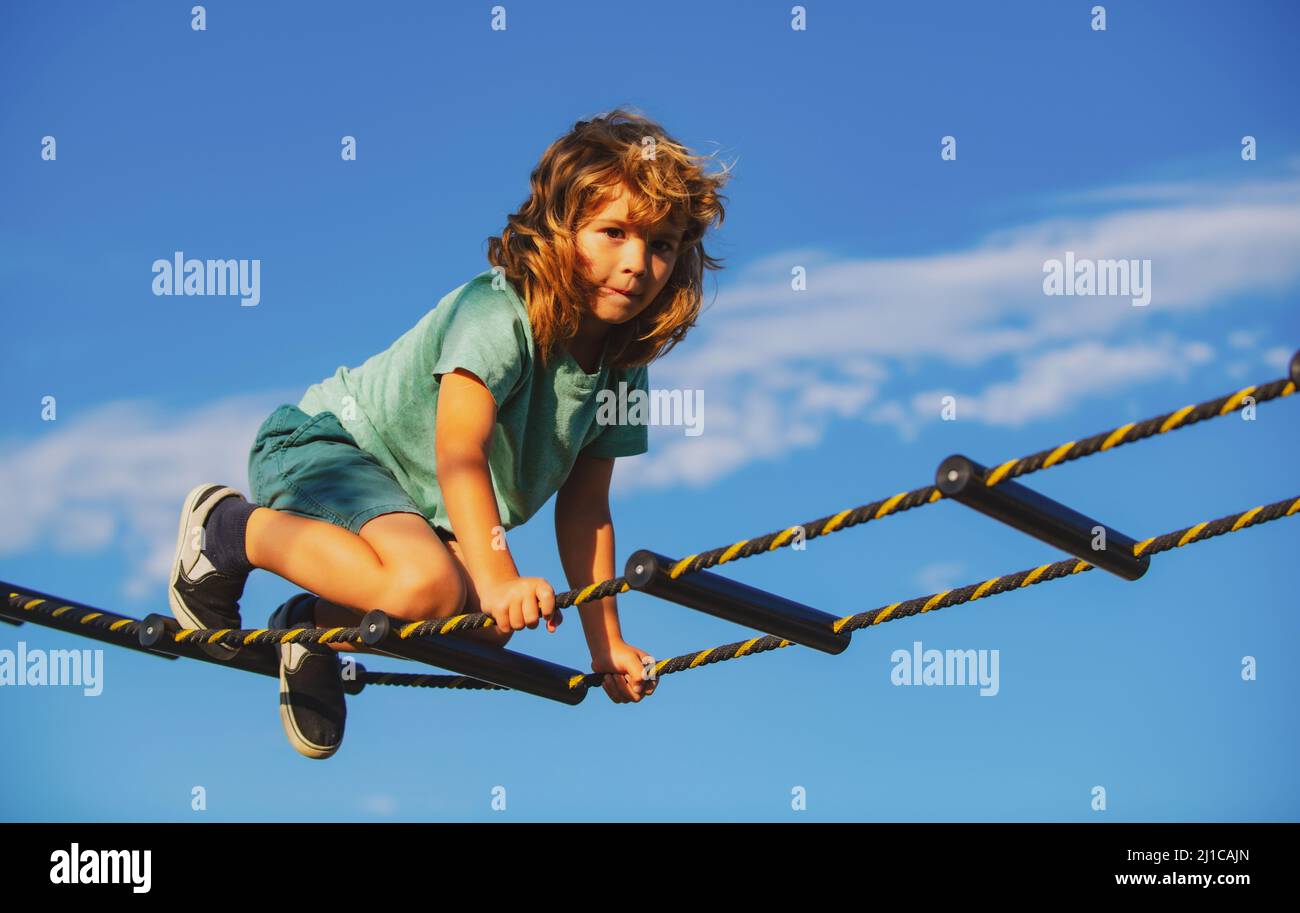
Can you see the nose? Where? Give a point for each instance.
(636, 257)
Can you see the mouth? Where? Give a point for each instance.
(619, 292)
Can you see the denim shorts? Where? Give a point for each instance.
(311, 466)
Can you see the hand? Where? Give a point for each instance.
(518, 602)
(627, 667)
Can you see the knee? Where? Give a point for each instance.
(423, 595)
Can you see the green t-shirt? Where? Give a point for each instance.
(544, 416)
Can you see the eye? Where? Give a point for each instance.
(668, 246)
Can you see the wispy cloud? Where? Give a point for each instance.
(379, 804)
(115, 476)
(940, 576)
(1055, 381)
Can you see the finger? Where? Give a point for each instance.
(554, 621)
(609, 689)
(530, 609)
(502, 618)
(546, 598)
(639, 679)
(517, 614)
(628, 689)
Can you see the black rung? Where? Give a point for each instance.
(721, 597)
(158, 632)
(496, 665)
(964, 480)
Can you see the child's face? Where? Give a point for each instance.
(634, 260)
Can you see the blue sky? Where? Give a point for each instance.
(924, 280)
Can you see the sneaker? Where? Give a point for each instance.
(200, 595)
(313, 709)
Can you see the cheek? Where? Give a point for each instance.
(661, 278)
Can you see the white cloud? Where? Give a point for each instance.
(379, 804)
(115, 476)
(940, 576)
(1278, 358)
(1243, 339)
(1058, 381)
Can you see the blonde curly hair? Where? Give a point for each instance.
(576, 176)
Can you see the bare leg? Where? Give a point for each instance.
(326, 559)
(374, 570)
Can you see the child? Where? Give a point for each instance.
(391, 485)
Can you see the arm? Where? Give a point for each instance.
(584, 534)
(463, 438)
(462, 443)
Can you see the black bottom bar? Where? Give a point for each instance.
(934, 861)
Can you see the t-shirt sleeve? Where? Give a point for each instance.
(627, 439)
(482, 334)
